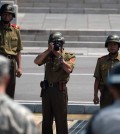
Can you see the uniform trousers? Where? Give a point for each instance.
(10, 91)
(54, 105)
(106, 98)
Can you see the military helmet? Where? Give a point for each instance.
(4, 66)
(7, 8)
(112, 38)
(114, 75)
(57, 36)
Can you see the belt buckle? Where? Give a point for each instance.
(50, 84)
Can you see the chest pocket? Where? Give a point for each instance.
(14, 41)
(53, 66)
(105, 70)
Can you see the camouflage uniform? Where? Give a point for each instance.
(104, 64)
(55, 97)
(10, 45)
(15, 119)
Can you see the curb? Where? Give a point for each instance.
(73, 108)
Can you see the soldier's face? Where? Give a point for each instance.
(113, 47)
(7, 16)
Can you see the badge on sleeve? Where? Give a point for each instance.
(72, 60)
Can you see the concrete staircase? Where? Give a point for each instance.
(90, 23)
(70, 6)
(90, 39)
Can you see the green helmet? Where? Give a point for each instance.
(57, 36)
(8, 9)
(114, 76)
(112, 38)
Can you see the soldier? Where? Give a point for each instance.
(58, 66)
(104, 64)
(10, 45)
(107, 121)
(14, 119)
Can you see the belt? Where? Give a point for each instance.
(8, 56)
(51, 84)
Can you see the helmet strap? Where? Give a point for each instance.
(5, 22)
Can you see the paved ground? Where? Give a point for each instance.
(45, 21)
(72, 120)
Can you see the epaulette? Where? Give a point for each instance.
(103, 57)
(15, 26)
(69, 53)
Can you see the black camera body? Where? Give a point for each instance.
(57, 45)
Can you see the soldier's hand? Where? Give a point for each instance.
(18, 72)
(96, 99)
(57, 53)
(50, 46)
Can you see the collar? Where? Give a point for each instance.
(109, 57)
(8, 28)
(63, 52)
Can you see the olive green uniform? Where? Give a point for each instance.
(55, 98)
(10, 45)
(104, 64)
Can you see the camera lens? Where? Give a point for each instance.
(56, 47)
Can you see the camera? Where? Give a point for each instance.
(57, 44)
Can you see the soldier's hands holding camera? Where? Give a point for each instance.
(56, 48)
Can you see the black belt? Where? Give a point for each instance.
(51, 84)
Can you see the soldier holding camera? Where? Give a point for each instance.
(58, 66)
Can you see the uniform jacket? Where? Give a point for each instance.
(15, 119)
(107, 121)
(53, 69)
(103, 66)
(10, 40)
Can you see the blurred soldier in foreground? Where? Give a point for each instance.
(58, 66)
(104, 64)
(10, 45)
(107, 121)
(14, 119)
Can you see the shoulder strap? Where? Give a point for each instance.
(15, 26)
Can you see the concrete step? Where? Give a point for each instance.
(88, 38)
(71, 1)
(67, 38)
(69, 10)
(70, 6)
(38, 33)
(67, 44)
